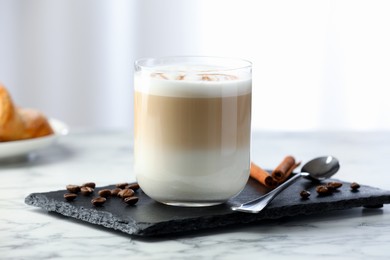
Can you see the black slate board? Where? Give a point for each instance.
(150, 218)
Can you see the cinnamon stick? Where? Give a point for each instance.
(283, 171)
(262, 176)
(288, 173)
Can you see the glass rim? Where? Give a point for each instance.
(149, 63)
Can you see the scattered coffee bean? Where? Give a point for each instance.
(133, 186)
(131, 200)
(99, 201)
(355, 186)
(126, 193)
(89, 184)
(122, 185)
(104, 193)
(124, 190)
(86, 190)
(73, 188)
(305, 194)
(114, 192)
(334, 185)
(322, 190)
(70, 196)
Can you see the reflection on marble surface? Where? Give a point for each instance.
(106, 158)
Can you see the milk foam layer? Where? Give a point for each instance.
(185, 84)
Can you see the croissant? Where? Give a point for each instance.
(20, 123)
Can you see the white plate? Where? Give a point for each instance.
(24, 147)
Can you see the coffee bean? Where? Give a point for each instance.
(322, 190)
(124, 190)
(105, 193)
(126, 193)
(99, 201)
(133, 186)
(334, 185)
(355, 186)
(73, 188)
(89, 184)
(86, 190)
(122, 185)
(131, 200)
(70, 196)
(305, 194)
(114, 192)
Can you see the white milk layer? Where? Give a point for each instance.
(191, 176)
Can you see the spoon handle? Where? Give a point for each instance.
(256, 205)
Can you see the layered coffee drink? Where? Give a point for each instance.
(192, 132)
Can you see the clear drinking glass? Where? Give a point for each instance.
(192, 128)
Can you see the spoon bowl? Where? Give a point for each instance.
(316, 169)
(321, 168)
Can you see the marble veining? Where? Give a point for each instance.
(106, 157)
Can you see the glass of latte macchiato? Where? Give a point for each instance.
(192, 128)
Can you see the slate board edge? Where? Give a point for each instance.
(101, 218)
(106, 219)
(271, 214)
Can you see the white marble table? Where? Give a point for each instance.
(106, 157)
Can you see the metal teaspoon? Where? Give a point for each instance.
(317, 169)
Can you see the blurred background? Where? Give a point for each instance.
(317, 65)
